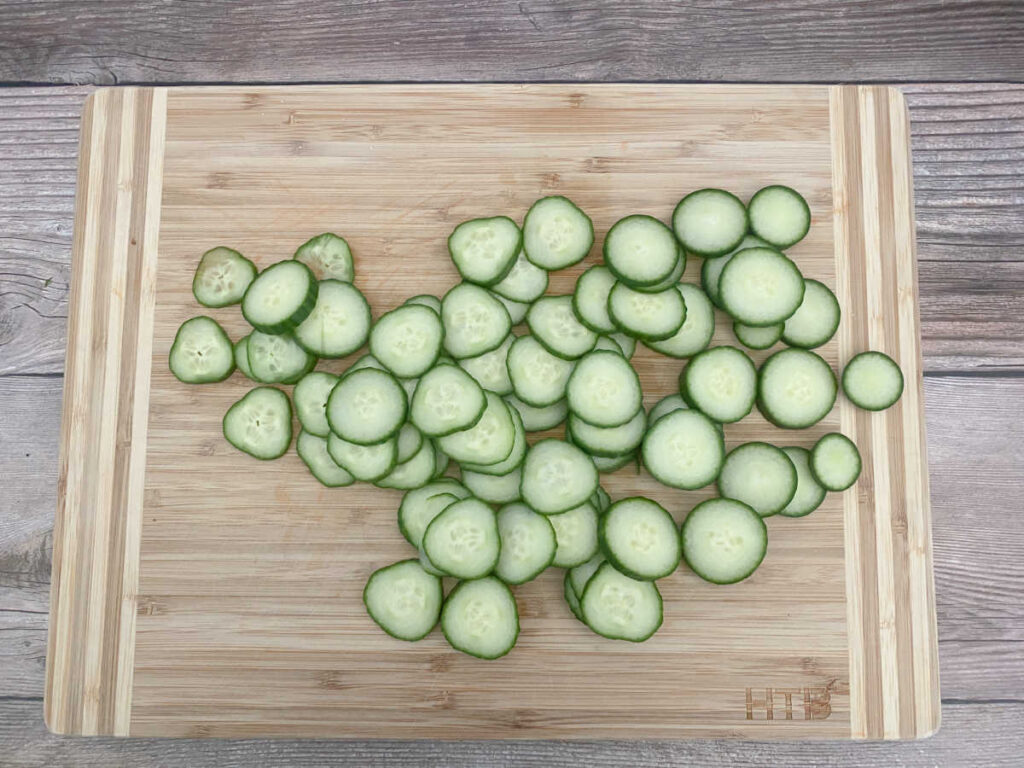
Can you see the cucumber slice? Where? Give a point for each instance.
(339, 323)
(684, 449)
(665, 406)
(514, 460)
(524, 283)
(480, 618)
(222, 277)
(779, 215)
(404, 600)
(490, 440)
(527, 544)
(491, 368)
(242, 357)
(516, 309)
(809, 493)
(475, 321)
(873, 381)
(816, 320)
(721, 382)
(366, 361)
(280, 297)
(421, 505)
(409, 442)
(710, 222)
(605, 344)
(364, 462)
(427, 510)
(575, 535)
(580, 576)
(557, 476)
(428, 566)
(626, 343)
(835, 462)
(538, 377)
(310, 397)
(757, 337)
(494, 489)
(260, 424)
(570, 597)
(711, 270)
(413, 473)
(724, 541)
(647, 316)
(556, 233)
(328, 256)
(440, 459)
(590, 299)
(604, 390)
(312, 449)
(447, 400)
(277, 358)
(698, 326)
(407, 340)
(760, 286)
(484, 250)
(367, 407)
(539, 419)
(760, 475)
(608, 464)
(620, 608)
(463, 540)
(795, 388)
(609, 441)
(425, 300)
(640, 250)
(640, 538)
(201, 353)
(553, 322)
(674, 277)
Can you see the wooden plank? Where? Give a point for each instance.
(147, 41)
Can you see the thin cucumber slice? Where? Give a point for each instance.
(674, 277)
(463, 540)
(835, 462)
(410, 440)
(280, 297)
(404, 600)
(277, 358)
(441, 459)
(605, 344)
(608, 464)
(684, 449)
(873, 381)
(312, 449)
(580, 576)
(527, 544)
(575, 535)
(516, 309)
(339, 323)
(260, 424)
(557, 476)
(365, 462)
(446, 400)
(647, 316)
(721, 382)
(640, 250)
(491, 368)
(409, 386)
(494, 489)
(795, 388)
(609, 441)
(328, 256)
(484, 250)
(490, 440)
(426, 300)
(538, 377)
(525, 282)
(421, 505)
(711, 270)
(475, 321)
(222, 277)
(513, 460)
(367, 407)
(310, 396)
(480, 618)
(779, 215)
(699, 325)
(570, 597)
(366, 361)
(552, 321)
(590, 299)
(724, 541)
(710, 222)
(760, 286)
(428, 566)
(816, 320)
(626, 343)
(665, 406)
(757, 337)
(407, 340)
(427, 510)
(201, 353)
(539, 419)
(620, 608)
(413, 473)
(809, 492)
(604, 390)
(639, 537)
(242, 357)
(556, 233)
(760, 475)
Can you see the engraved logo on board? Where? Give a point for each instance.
(789, 703)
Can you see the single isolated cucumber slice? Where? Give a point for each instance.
(527, 544)
(684, 449)
(557, 476)
(779, 215)
(514, 460)
(665, 406)
(242, 357)
(760, 286)
(339, 323)
(494, 489)
(609, 441)
(490, 440)
(640, 250)
(757, 337)
(580, 576)
(413, 473)
(590, 299)
(575, 535)
(835, 462)
(710, 222)
(426, 300)
(604, 390)
(720, 382)
(367, 407)
(491, 368)
(475, 321)
(553, 322)
(640, 538)
(516, 309)
(222, 277)
(446, 400)
(484, 250)
(421, 505)
(760, 475)
(404, 600)
(328, 256)
(620, 608)
(711, 270)
(524, 283)
(312, 449)
(724, 541)
(556, 233)
(816, 320)
(695, 333)
(365, 462)
(873, 381)
(260, 424)
(647, 316)
(280, 297)
(480, 618)
(277, 358)
(407, 340)
(795, 388)
(539, 419)
(538, 377)
(463, 540)
(809, 493)
(201, 353)
(310, 396)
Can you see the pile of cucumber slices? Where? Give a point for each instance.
(447, 380)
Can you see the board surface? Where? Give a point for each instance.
(197, 592)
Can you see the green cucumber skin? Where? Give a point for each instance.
(571, 599)
(515, 637)
(736, 325)
(684, 391)
(824, 338)
(766, 411)
(367, 607)
(853, 399)
(211, 380)
(300, 314)
(801, 198)
(711, 254)
(860, 465)
(643, 336)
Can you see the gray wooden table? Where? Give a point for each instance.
(957, 63)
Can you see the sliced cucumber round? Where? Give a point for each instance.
(480, 618)
(280, 297)
(414, 472)
(328, 256)
(538, 377)
(647, 316)
(421, 505)
(426, 300)
(463, 540)
(816, 320)
(368, 463)
(407, 340)
(475, 321)
(710, 222)
(590, 299)
(527, 544)
(312, 449)
(604, 390)
(640, 250)
(201, 353)
(494, 489)
(446, 400)
(556, 233)
(491, 368)
(873, 381)
(516, 309)
(580, 576)
(242, 357)
(222, 277)
(484, 250)
(260, 424)
(809, 492)
(760, 475)
(404, 600)
(514, 460)
(408, 442)
(779, 215)
(525, 282)
(760, 286)
(835, 462)
(711, 270)
(608, 464)
(490, 440)
(553, 322)
(639, 537)
(570, 597)
(757, 337)
(575, 535)
(684, 449)
(620, 608)
(724, 541)
(695, 333)
(626, 343)
(367, 407)
(673, 278)
(557, 476)
(795, 388)
(665, 406)
(339, 323)
(721, 382)
(609, 441)
(539, 419)
(310, 397)
(277, 358)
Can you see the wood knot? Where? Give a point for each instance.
(219, 180)
(331, 680)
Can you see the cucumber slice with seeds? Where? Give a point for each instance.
(242, 357)
(604, 390)
(222, 277)
(538, 377)
(590, 299)
(484, 250)
(475, 321)
(368, 463)
(575, 535)
(310, 396)
(816, 320)
(446, 400)
(367, 407)
(428, 509)
(640, 250)
(809, 492)
(539, 419)
(490, 440)
(421, 505)
(201, 353)
(674, 277)
(480, 618)
(721, 382)
(557, 476)
(835, 462)
(872, 381)
(513, 460)
(260, 424)
(556, 233)
(413, 473)
(639, 537)
(609, 441)
(463, 540)
(760, 475)
(407, 340)
(684, 449)
(494, 489)
(280, 297)
(277, 359)
(553, 322)
(760, 286)
(491, 368)
(339, 323)
(711, 270)
(524, 283)
(328, 256)
(795, 388)
(779, 215)
(620, 608)
(527, 544)
(313, 452)
(404, 600)
(724, 541)
(710, 222)
(698, 326)
(757, 337)
(647, 316)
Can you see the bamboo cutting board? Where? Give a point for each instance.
(198, 592)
